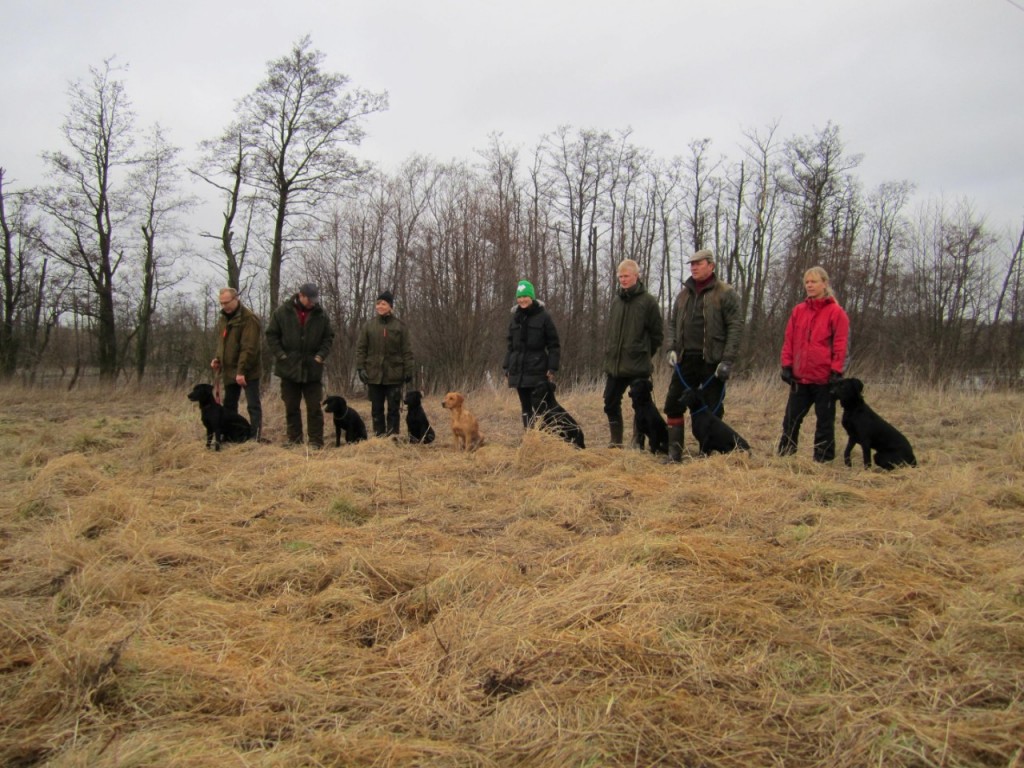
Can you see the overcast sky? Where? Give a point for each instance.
(930, 91)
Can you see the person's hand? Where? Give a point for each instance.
(834, 378)
(787, 374)
(318, 360)
(723, 371)
(240, 380)
(550, 376)
(215, 363)
(361, 373)
(407, 379)
(671, 358)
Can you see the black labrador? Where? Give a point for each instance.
(553, 415)
(345, 420)
(416, 420)
(711, 432)
(221, 426)
(869, 430)
(647, 421)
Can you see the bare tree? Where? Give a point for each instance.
(156, 181)
(299, 122)
(16, 254)
(820, 196)
(85, 202)
(225, 167)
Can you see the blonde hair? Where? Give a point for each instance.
(630, 265)
(821, 274)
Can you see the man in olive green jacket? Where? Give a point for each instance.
(239, 357)
(299, 337)
(634, 336)
(704, 334)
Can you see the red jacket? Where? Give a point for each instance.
(815, 344)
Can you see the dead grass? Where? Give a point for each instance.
(385, 604)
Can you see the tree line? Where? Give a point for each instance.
(100, 262)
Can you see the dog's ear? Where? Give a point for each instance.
(858, 385)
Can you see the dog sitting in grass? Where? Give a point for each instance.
(465, 427)
(221, 426)
(870, 431)
(553, 417)
(416, 420)
(345, 420)
(648, 424)
(713, 434)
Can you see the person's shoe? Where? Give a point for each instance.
(615, 430)
(675, 445)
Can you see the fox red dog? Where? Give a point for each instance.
(465, 427)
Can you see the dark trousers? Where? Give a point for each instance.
(391, 395)
(614, 388)
(526, 404)
(801, 398)
(232, 394)
(293, 393)
(697, 375)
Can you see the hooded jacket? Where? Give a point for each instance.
(239, 345)
(723, 320)
(384, 350)
(815, 343)
(533, 346)
(294, 345)
(634, 333)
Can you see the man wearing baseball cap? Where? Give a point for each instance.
(704, 333)
(299, 336)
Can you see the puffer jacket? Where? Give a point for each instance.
(294, 345)
(384, 350)
(723, 320)
(533, 346)
(816, 338)
(634, 333)
(239, 345)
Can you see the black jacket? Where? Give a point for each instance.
(533, 347)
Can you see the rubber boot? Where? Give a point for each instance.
(526, 420)
(675, 445)
(379, 429)
(615, 429)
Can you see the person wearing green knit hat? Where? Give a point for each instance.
(533, 349)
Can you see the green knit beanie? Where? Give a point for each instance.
(525, 288)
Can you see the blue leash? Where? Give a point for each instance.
(686, 386)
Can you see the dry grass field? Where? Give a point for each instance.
(532, 605)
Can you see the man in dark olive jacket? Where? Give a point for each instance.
(634, 336)
(239, 357)
(299, 336)
(704, 333)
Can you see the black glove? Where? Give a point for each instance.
(361, 373)
(787, 374)
(407, 379)
(834, 378)
(723, 370)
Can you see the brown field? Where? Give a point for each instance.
(393, 605)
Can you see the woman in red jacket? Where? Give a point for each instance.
(813, 357)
